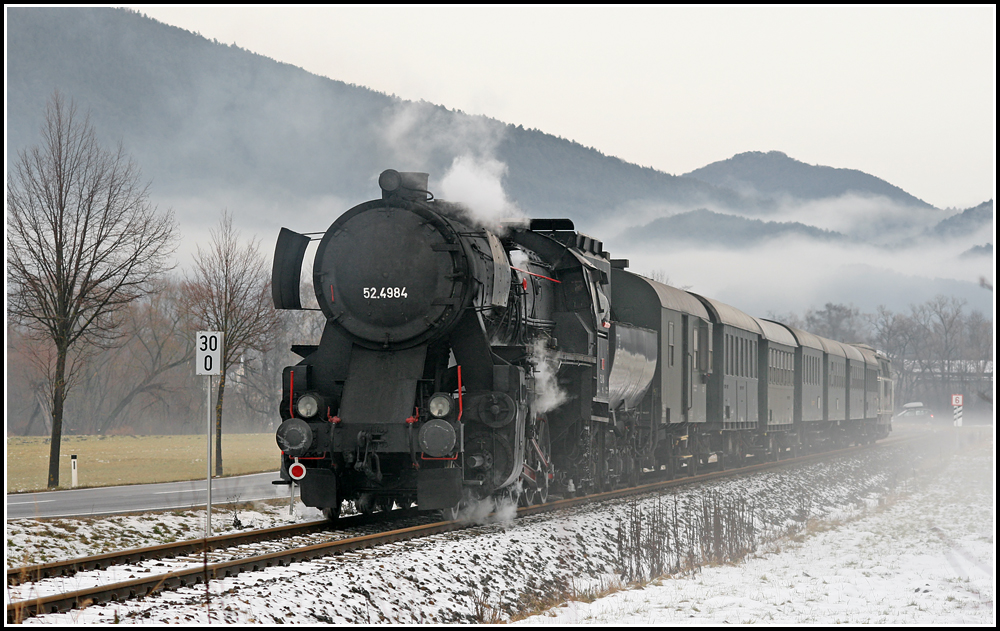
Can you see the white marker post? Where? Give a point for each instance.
(208, 361)
(956, 403)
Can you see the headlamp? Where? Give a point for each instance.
(439, 405)
(307, 405)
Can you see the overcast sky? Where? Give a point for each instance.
(907, 94)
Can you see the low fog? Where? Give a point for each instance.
(892, 267)
(880, 252)
(794, 274)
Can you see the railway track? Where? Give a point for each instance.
(207, 571)
(70, 567)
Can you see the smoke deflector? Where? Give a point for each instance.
(287, 269)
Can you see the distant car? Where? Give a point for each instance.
(915, 412)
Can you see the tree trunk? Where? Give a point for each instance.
(218, 425)
(58, 396)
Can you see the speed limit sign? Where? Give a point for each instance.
(208, 353)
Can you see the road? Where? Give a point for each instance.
(142, 497)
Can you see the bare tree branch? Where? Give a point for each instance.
(83, 242)
(230, 291)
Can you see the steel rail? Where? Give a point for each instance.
(69, 567)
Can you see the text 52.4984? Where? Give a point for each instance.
(384, 292)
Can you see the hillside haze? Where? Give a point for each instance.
(775, 175)
(215, 126)
(201, 116)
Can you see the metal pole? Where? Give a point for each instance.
(208, 459)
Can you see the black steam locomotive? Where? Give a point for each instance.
(461, 363)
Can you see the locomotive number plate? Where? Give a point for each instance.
(384, 292)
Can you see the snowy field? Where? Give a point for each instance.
(925, 557)
(895, 536)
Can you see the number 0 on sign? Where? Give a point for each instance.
(208, 353)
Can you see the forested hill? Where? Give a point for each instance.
(201, 116)
(198, 115)
(774, 174)
(968, 221)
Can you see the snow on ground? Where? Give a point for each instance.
(927, 558)
(31, 541)
(896, 535)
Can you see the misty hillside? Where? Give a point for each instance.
(711, 228)
(200, 115)
(965, 223)
(774, 174)
(979, 252)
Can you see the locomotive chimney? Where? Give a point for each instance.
(407, 185)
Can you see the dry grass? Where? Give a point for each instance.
(535, 604)
(112, 460)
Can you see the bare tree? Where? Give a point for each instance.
(898, 335)
(231, 292)
(83, 242)
(942, 325)
(980, 350)
(160, 340)
(839, 322)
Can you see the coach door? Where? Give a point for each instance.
(696, 365)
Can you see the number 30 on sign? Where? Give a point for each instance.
(208, 353)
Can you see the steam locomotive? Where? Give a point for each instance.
(460, 363)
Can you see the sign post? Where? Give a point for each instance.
(956, 404)
(208, 362)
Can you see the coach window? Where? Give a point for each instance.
(743, 357)
(737, 356)
(706, 342)
(729, 354)
(696, 346)
(738, 368)
(670, 342)
(746, 358)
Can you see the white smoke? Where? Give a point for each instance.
(548, 395)
(429, 138)
(506, 510)
(519, 259)
(477, 184)
(476, 511)
(421, 136)
(499, 510)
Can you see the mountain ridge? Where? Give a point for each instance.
(199, 114)
(775, 173)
